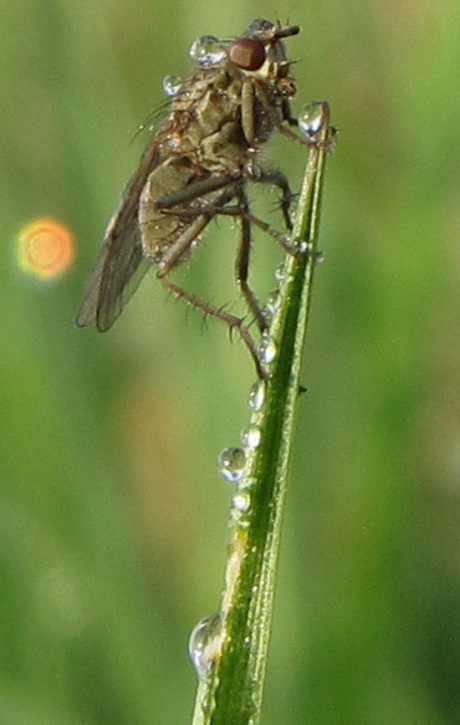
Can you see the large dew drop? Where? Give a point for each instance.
(207, 51)
(204, 644)
(313, 118)
(231, 463)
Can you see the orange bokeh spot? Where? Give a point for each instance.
(46, 248)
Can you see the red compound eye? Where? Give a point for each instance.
(247, 53)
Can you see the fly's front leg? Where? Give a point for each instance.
(247, 111)
(287, 114)
(309, 138)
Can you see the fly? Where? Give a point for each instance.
(197, 166)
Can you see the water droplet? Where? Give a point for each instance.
(305, 247)
(273, 303)
(241, 504)
(251, 436)
(313, 118)
(207, 50)
(242, 501)
(280, 274)
(257, 395)
(204, 644)
(231, 463)
(267, 350)
(171, 85)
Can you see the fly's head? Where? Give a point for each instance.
(260, 53)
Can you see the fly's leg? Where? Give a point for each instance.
(282, 239)
(242, 265)
(277, 178)
(287, 114)
(232, 321)
(202, 216)
(328, 142)
(248, 124)
(194, 191)
(249, 90)
(247, 111)
(238, 211)
(175, 252)
(292, 121)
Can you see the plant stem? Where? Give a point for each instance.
(231, 686)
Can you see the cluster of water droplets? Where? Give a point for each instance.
(206, 638)
(232, 462)
(207, 51)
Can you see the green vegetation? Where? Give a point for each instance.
(112, 516)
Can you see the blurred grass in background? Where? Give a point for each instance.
(112, 518)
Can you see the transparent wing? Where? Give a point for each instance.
(121, 264)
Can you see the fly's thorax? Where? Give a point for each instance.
(204, 123)
(225, 151)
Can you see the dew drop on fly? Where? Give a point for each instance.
(207, 51)
(171, 85)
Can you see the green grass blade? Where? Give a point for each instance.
(232, 647)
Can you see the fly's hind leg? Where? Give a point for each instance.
(232, 321)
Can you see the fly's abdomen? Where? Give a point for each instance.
(160, 228)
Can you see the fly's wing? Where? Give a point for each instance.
(121, 264)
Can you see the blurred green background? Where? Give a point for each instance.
(112, 516)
